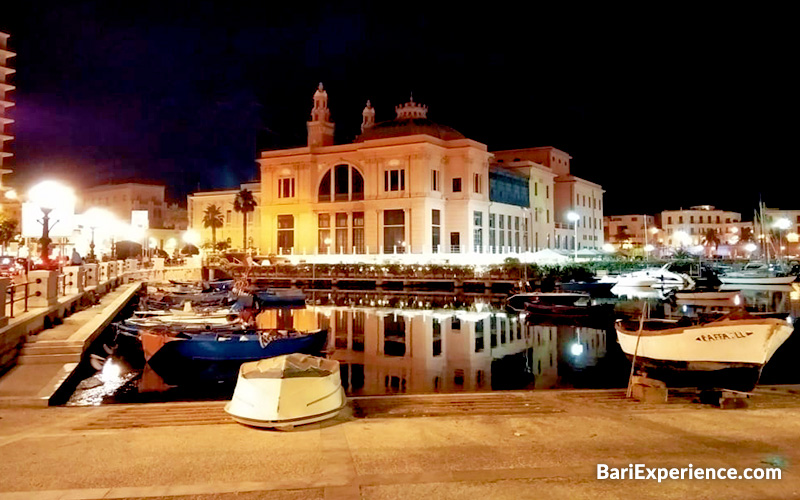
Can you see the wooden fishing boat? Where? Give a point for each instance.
(738, 340)
(167, 346)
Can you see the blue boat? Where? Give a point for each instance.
(161, 347)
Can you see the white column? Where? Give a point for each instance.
(73, 277)
(43, 289)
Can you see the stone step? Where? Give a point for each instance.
(45, 359)
(38, 350)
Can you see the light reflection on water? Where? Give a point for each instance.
(454, 347)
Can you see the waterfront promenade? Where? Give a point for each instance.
(514, 445)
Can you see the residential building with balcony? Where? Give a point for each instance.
(636, 230)
(693, 226)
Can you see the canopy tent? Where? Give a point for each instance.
(546, 257)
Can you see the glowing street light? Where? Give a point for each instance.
(782, 224)
(750, 247)
(48, 196)
(574, 218)
(97, 218)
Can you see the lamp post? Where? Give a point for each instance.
(782, 225)
(48, 196)
(102, 222)
(574, 217)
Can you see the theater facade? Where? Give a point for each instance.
(412, 189)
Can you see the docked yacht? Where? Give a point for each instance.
(757, 273)
(660, 277)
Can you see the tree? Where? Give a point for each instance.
(622, 234)
(8, 231)
(711, 240)
(212, 217)
(244, 203)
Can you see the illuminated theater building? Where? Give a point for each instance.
(411, 187)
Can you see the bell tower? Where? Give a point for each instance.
(320, 128)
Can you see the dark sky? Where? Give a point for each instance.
(664, 108)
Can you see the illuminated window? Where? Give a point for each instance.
(394, 230)
(285, 233)
(436, 180)
(358, 232)
(341, 233)
(394, 180)
(436, 230)
(286, 188)
(341, 183)
(324, 232)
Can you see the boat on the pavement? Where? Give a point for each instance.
(285, 391)
(738, 342)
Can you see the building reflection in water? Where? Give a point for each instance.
(395, 350)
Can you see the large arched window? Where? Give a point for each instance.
(342, 183)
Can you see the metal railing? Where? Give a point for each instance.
(11, 293)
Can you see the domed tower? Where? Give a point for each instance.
(411, 119)
(320, 128)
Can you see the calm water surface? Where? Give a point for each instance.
(438, 343)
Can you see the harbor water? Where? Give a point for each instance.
(421, 344)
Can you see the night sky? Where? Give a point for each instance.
(662, 108)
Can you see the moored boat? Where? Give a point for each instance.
(285, 391)
(559, 304)
(165, 346)
(736, 341)
(518, 302)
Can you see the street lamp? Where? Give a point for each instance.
(574, 217)
(48, 196)
(97, 218)
(782, 224)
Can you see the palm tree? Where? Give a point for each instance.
(711, 240)
(212, 217)
(244, 203)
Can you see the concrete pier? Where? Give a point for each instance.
(517, 445)
(50, 357)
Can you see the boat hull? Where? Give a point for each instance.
(713, 346)
(283, 400)
(747, 280)
(235, 347)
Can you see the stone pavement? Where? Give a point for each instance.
(50, 356)
(541, 445)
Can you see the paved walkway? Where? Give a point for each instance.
(50, 356)
(376, 450)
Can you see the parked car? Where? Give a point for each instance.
(9, 266)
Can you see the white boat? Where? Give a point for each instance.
(737, 340)
(639, 292)
(757, 273)
(288, 390)
(658, 277)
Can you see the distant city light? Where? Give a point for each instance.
(609, 248)
(782, 224)
(750, 247)
(191, 237)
